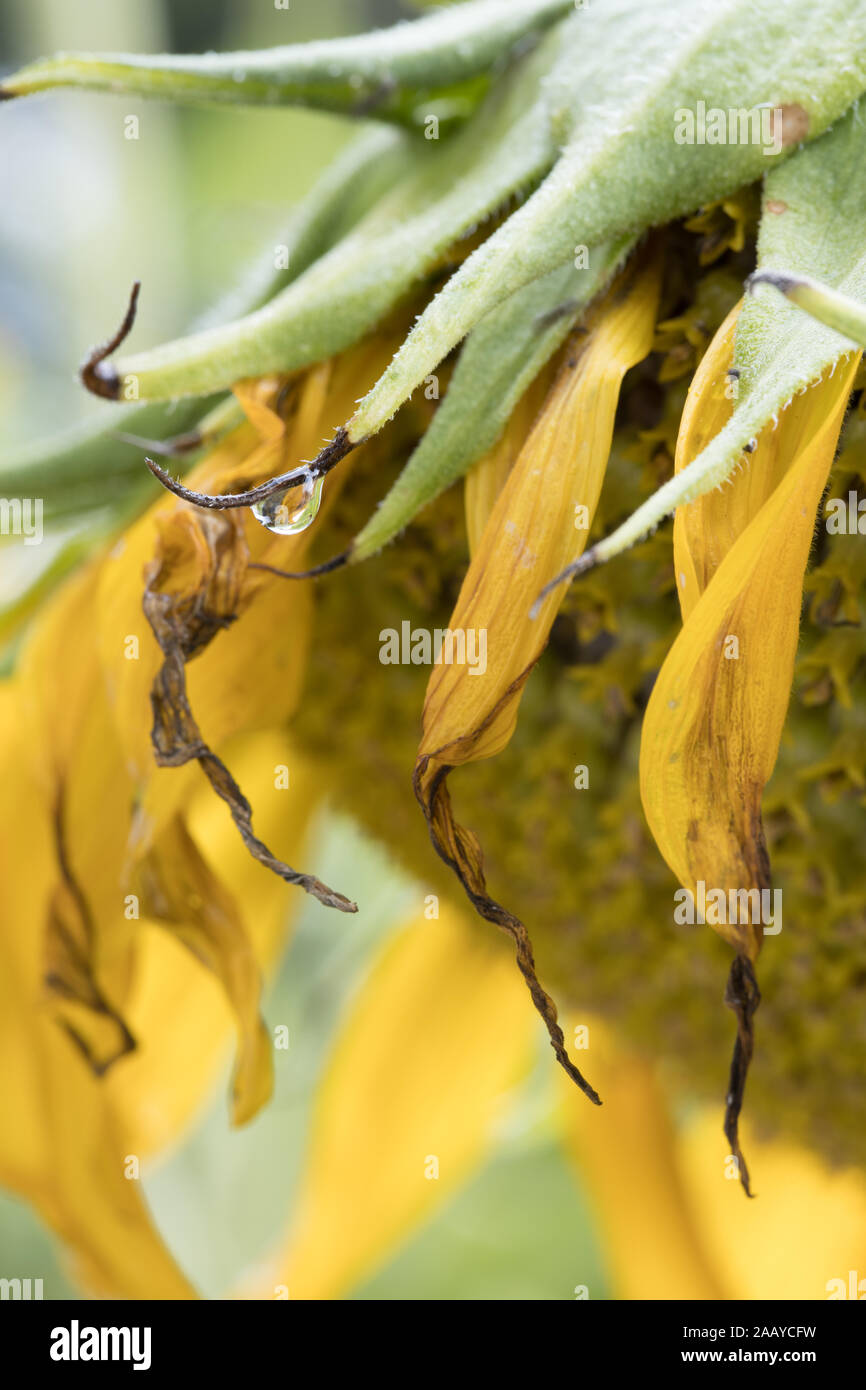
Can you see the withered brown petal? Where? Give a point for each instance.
(208, 553)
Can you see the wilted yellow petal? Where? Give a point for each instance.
(93, 924)
(408, 1105)
(705, 530)
(486, 479)
(83, 730)
(712, 727)
(129, 655)
(251, 676)
(101, 825)
(714, 720)
(540, 519)
(628, 1161)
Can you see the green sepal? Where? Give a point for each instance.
(437, 64)
(447, 188)
(617, 96)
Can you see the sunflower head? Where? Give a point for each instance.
(584, 267)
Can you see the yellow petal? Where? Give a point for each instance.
(714, 720)
(628, 1161)
(486, 479)
(712, 727)
(801, 1238)
(470, 710)
(195, 587)
(129, 655)
(86, 795)
(408, 1106)
(533, 531)
(178, 889)
(705, 530)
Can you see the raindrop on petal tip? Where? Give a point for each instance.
(285, 520)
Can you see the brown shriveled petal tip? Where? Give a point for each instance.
(324, 461)
(460, 851)
(184, 623)
(104, 381)
(587, 561)
(743, 996)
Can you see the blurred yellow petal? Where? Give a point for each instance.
(803, 1235)
(179, 890)
(628, 1162)
(408, 1106)
(670, 1215)
(60, 1145)
(541, 517)
(86, 796)
(93, 920)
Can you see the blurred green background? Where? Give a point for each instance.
(198, 196)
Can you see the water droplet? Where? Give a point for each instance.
(288, 517)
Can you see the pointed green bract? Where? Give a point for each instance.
(811, 225)
(394, 73)
(448, 187)
(499, 360)
(620, 97)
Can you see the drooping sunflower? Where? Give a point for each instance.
(525, 276)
